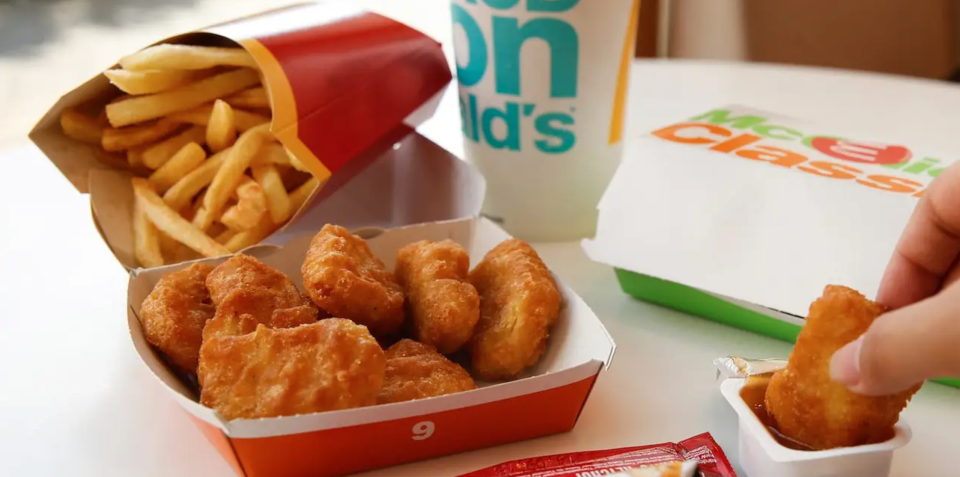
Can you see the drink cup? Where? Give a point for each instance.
(543, 92)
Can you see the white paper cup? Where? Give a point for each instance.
(543, 90)
(762, 456)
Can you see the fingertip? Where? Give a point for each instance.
(905, 283)
(845, 364)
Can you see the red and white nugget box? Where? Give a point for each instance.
(415, 181)
(344, 84)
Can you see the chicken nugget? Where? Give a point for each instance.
(174, 313)
(519, 304)
(346, 280)
(244, 271)
(241, 310)
(442, 304)
(417, 371)
(806, 404)
(324, 366)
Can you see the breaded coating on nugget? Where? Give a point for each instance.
(442, 304)
(174, 313)
(241, 310)
(346, 280)
(417, 371)
(244, 271)
(324, 366)
(806, 404)
(519, 303)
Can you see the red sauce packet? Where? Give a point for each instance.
(702, 448)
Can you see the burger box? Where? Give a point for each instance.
(356, 86)
(742, 216)
(344, 84)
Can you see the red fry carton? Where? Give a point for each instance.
(343, 84)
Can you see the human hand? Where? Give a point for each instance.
(920, 338)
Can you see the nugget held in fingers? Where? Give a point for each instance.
(346, 280)
(806, 404)
(244, 271)
(417, 371)
(174, 313)
(519, 304)
(328, 365)
(442, 304)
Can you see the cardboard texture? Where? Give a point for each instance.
(343, 83)
(546, 399)
(744, 216)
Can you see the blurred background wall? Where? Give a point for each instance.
(908, 37)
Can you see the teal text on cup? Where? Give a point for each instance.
(554, 128)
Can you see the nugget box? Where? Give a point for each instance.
(742, 216)
(343, 84)
(417, 181)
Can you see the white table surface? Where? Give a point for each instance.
(75, 399)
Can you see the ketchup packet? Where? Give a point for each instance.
(686, 468)
(710, 459)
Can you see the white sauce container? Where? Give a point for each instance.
(760, 455)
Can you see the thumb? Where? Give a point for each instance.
(904, 347)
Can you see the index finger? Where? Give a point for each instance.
(928, 246)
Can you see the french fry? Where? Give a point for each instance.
(231, 172)
(122, 139)
(221, 129)
(278, 202)
(80, 127)
(168, 246)
(146, 239)
(300, 195)
(224, 236)
(170, 222)
(246, 120)
(158, 154)
(135, 157)
(151, 81)
(234, 197)
(122, 97)
(253, 236)
(203, 219)
(250, 98)
(190, 211)
(216, 229)
(200, 116)
(186, 57)
(251, 206)
(112, 159)
(296, 162)
(179, 195)
(145, 108)
(266, 226)
(271, 154)
(187, 159)
(135, 162)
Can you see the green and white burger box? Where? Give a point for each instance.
(743, 216)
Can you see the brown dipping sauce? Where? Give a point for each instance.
(753, 393)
